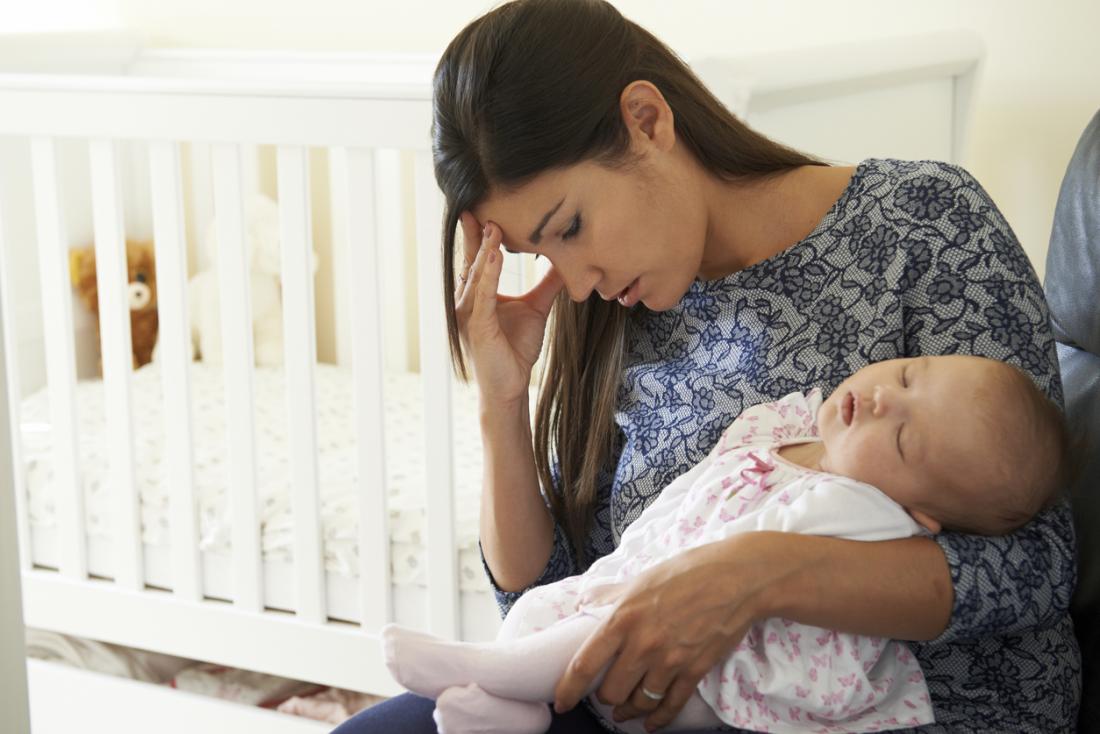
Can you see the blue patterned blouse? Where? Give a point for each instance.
(914, 258)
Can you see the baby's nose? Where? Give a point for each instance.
(880, 401)
(885, 400)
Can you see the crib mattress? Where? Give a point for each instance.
(405, 462)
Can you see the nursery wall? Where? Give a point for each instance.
(1040, 85)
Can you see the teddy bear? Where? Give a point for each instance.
(264, 262)
(141, 293)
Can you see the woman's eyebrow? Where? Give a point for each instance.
(536, 235)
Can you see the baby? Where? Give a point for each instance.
(902, 447)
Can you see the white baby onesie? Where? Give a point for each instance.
(784, 676)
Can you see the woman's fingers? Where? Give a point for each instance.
(622, 678)
(675, 698)
(488, 282)
(586, 666)
(647, 695)
(471, 246)
(468, 286)
(471, 235)
(682, 688)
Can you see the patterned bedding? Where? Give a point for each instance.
(403, 404)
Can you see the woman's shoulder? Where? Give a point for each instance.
(920, 188)
(928, 205)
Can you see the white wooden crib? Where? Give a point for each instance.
(160, 126)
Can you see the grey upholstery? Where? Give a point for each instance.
(1072, 286)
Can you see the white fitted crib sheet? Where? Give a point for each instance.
(403, 404)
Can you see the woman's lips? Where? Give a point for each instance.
(629, 295)
(848, 408)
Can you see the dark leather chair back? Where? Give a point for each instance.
(1073, 290)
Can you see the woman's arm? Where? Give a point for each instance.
(978, 294)
(895, 588)
(676, 621)
(517, 530)
(1009, 584)
(502, 337)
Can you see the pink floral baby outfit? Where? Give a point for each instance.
(783, 677)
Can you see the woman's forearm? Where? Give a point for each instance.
(517, 531)
(896, 588)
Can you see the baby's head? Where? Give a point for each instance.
(962, 442)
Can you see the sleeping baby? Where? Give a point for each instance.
(902, 447)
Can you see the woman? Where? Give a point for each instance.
(700, 269)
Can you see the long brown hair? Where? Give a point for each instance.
(532, 86)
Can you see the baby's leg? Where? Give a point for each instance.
(470, 710)
(524, 668)
(502, 686)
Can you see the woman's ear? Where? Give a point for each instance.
(647, 115)
(929, 522)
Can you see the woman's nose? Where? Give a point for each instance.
(580, 279)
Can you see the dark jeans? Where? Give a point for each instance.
(412, 714)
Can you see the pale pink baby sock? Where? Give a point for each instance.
(470, 710)
(504, 686)
(525, 669)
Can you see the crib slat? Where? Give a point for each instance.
(236, 324)
(301, 359)
(390, 211)
(200, 209)
(114, 325)
(14, 394)
(435, 373)
(57, 315)
(174, 345)
(389, 217)
(375, 590)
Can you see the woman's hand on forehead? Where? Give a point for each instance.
(472, 232)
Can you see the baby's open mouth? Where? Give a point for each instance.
(848, 408)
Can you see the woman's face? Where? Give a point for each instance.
(634, 234)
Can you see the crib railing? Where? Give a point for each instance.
(356, 125)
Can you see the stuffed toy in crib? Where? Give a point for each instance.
(141, 293)
(264, 262)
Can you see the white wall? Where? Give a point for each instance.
(20, 16)
(1040, 86)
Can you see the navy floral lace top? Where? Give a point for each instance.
(914, 258)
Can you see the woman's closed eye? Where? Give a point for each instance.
(574, 228)
(573, 231)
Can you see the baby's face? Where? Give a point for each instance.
(907, 427)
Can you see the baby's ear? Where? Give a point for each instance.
(929, 522)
